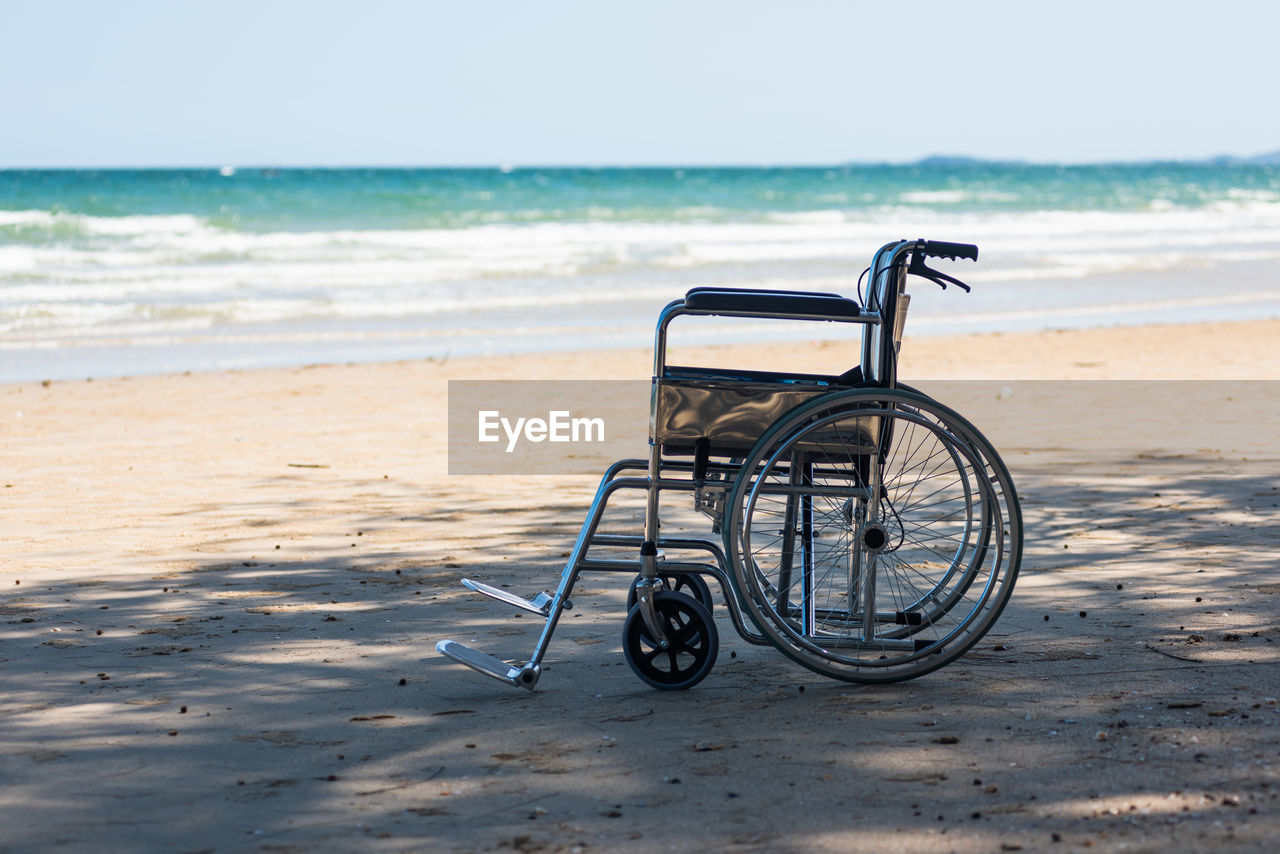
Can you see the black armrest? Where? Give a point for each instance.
(705, 289)
(784, 303)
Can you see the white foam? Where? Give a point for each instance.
(8, 218)
(179, 271)
(934, 197)
(823, 217)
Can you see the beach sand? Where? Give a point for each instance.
(220, 593)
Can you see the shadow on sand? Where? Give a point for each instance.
(293, 701)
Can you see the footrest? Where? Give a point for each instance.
(540, 604)
(517, 677)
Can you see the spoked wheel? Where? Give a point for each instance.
(688, 583)
(874, 535)
(693, 643)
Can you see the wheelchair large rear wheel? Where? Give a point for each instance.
(874, 535)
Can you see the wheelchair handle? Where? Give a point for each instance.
(943, 249)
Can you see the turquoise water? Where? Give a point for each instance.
(263, 200)
(140, 271)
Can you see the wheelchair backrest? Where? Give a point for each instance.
(885, 285)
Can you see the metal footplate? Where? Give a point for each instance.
(525, 676)
(540, 604)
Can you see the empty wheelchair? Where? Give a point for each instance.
(867, 531)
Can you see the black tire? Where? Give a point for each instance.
(693, 643)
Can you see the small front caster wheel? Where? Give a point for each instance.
(692, 643)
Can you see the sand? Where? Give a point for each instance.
(220, 593)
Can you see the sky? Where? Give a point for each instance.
(381, 82)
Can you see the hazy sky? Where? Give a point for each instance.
(126, 83)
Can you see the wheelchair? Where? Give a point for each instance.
(867, 531)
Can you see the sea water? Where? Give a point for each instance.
(143, 271)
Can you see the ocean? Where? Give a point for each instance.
(125, 272)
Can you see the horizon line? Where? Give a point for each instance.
(935, 159)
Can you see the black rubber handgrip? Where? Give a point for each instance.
(942, 249)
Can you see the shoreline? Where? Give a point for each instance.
(1229, 349)
(1223, 291)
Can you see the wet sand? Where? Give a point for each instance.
(220, 593)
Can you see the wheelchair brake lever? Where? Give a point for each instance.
(917, 267)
